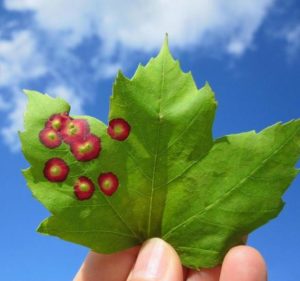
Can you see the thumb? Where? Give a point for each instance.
(157, 261)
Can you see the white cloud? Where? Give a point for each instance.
(108, 69)
(70, 18)
(20, 59)
(4, 105)
(23, 59)
(15, 122)
(141, 25)
(46, 47)
(292, 37)
(68, 95)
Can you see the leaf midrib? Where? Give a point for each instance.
(157, 148)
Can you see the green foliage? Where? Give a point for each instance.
(174, 181)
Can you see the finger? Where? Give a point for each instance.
(212, 274)
(243, 263)
(157, 261)
(114, 267)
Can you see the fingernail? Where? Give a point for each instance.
(152, 262)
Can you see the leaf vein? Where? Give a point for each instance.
(263, 162)
(122, 220)
(157, 148)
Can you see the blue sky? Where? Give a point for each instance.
(249, 51)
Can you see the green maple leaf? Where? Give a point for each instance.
(174, 181)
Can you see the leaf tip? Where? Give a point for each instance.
(25, 91)
(29, 93)
(19, 132)
(211, 92)
(120, 75)
(165, 50)
(43, 228)
(166, 41)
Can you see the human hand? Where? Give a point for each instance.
(157, 261)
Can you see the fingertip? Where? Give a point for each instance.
(247, 255)
(210, 274)
(157, 261)
(243, 263)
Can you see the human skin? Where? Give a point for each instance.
(156, 260)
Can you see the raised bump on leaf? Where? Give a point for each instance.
(84, 188)
(58, 121)
(50, 138)
(108, 183)
(56, 170)
(118, 129)
(86, 150)
(77, 129)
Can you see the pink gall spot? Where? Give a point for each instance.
(108, 183)
(50, 138)
(86, 150)
(58, 121)
(56, 170)
(118, 129)
(76, 129)
(83, 188)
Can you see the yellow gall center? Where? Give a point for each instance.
(107, 184)
(56, 124)
(55, 170)
(52, 136)
(87, 147)
(83, 187)
(72, 129)
(118, 129)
